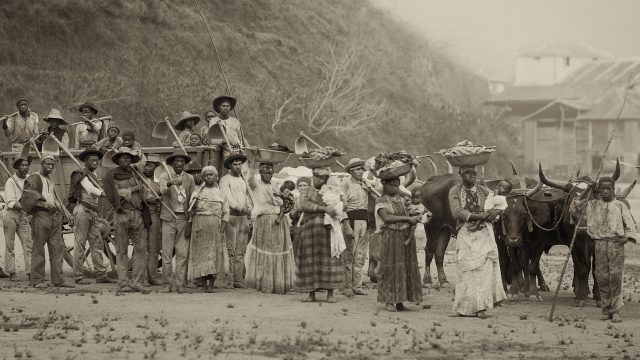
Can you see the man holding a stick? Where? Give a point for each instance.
(176, 189)
(16, 220)
(85, 213)
(22, 126)
(124, 192)
(88, 131)
(233, 130)
(154, 206)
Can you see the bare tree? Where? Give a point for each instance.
(283, 113)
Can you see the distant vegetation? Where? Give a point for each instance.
(143, 60)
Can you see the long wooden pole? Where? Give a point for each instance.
(64, 148)
(144, 181)
(577, 224)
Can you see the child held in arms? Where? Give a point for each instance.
(610, 224)
(495, 200)
(288, 199)
(416, 208)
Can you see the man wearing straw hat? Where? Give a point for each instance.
(40, 200)
(124, 192)
(223, 105)
(185, 127)
(237, 231)
(21, 127)
(85, 195)
(357, 200)
(54, 119)
(176, 189)
(88, 131)
(154, 238)
(16, 220)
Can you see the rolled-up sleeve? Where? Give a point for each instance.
(10, 193)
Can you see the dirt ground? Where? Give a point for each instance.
(95, 322)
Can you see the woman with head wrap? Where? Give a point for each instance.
(316, 267)
(208, 253)
(399, 275)
(269, 254)
(479, 286)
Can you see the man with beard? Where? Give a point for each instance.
(22, 126)
(40, 200)
(16, 220)
(125, 194)
(176, 189)
(85, 195)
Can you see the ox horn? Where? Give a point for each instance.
(434, 167)
(579, 167)
(624, 193)
(616, 172)
(449, 168)
(534, 191)
(513, 168)
(411, 177)
(565, 186)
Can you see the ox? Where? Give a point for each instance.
(583, 250)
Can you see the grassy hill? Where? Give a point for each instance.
(143, 60)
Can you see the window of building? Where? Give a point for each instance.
(567, 61)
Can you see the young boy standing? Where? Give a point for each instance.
(610, 225)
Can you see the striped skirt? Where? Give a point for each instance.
(399, 278)
(315, 267)
(269, 257)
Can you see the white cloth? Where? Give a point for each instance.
(495, 202)
(89, 187)
(13, 189)
(331, 197)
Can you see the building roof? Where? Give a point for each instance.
(574, 50)
(611, 105)
(587, 85)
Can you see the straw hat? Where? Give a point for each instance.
(135, 157)
(54, 114)
(178, 154)
(153, 158)
(89, 151)
(220, 99)
(18, 160)
(187, 116)
(88, 105)
(231, 158)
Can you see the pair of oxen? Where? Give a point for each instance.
(537, 218)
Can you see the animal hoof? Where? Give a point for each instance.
(580, 303)
(427, 285)
(544, 288)
(446, 285)
(512, 297)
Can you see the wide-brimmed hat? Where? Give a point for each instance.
(187, 116)
(89, 151)
(89, 105)
(220, 99)
(55, 114)
(231, 158)
(179, 154)
(135, 157)
(354, 164)
(194, 166)
(18, 160)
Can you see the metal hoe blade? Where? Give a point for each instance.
(50, 147)
(161, 131)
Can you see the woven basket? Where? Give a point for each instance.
(395, 172)
(469, 160)
(312, 163)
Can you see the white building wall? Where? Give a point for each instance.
(539, 71)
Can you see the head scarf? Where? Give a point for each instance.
(209, 169)
(464, 169)
(322, 171)
(266, 165)
(21, 99)
(303, 179)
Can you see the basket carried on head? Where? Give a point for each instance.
(395, 172)
(465, 153)
(313, 163)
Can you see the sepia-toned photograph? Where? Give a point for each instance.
(319, 179)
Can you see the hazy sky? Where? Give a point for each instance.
(487, 34)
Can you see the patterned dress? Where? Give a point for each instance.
(479, 285)
(208, 250)
(315, 267)
(399, 272)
